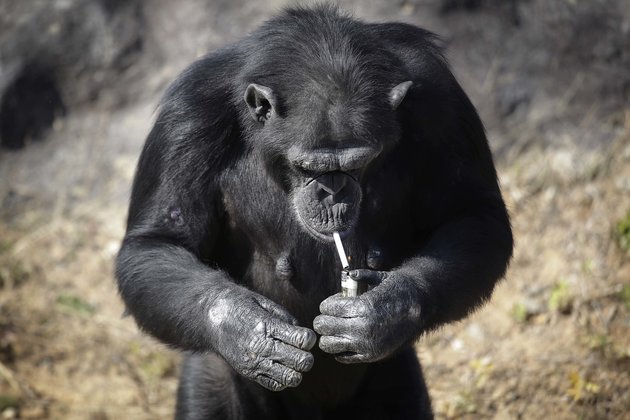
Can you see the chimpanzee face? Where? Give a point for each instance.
(325, 141)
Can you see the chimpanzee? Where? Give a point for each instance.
(313, 124)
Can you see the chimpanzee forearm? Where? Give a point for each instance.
(459, 267)
(168, 291)
(193, 307)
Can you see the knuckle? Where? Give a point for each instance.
(302, 338)
(261, 327)
(318, 323)
(324, 344)
(296, 337)
(305, 363)
(270, 384)
(274, 327)
(311, 338)
(248, 371)
(255, 345)
(292, 379)
(323, 326)
(259, 365)
(249, 363)
(260, 346)
(273, 349)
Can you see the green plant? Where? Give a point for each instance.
(75, 304)
(623, 232)
(520, 313)
(624, 295)
(8, 401)
(560, 299)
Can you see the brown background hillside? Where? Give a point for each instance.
(551, 80)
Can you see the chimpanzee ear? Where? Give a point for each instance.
(398, 93)
(261, 102)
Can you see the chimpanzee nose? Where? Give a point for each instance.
(332, 182)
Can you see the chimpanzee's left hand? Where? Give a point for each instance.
(375, 324)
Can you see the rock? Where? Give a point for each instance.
(59, 54)
(513, 97)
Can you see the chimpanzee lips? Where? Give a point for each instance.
(329, 203)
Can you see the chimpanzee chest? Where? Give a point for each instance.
(264, 246)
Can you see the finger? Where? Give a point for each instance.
(289, 356)
(349, 358)
(371, 277)
(300, 337)
(277, 311)
(334, 345)
(269, 383)
(283, 375)
(332, 325)
(344, 307)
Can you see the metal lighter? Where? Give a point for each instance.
(349, 286)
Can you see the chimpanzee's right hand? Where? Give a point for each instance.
(260, 339)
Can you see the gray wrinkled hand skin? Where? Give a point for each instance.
(373, 325)
(261, 340)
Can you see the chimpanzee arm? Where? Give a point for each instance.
(164, 266)
(470, 239)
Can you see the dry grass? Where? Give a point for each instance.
(553, 340)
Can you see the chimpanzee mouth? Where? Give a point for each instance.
(324, 232)
(328, 203)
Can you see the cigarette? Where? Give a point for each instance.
(340, 251)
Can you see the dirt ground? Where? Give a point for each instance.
(551, 81)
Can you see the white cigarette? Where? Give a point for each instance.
(340, 250)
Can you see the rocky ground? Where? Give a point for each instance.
(550, 80)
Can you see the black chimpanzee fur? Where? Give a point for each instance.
(314, 123)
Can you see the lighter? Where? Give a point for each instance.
(349, 287)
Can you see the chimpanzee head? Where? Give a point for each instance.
(322, 117)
